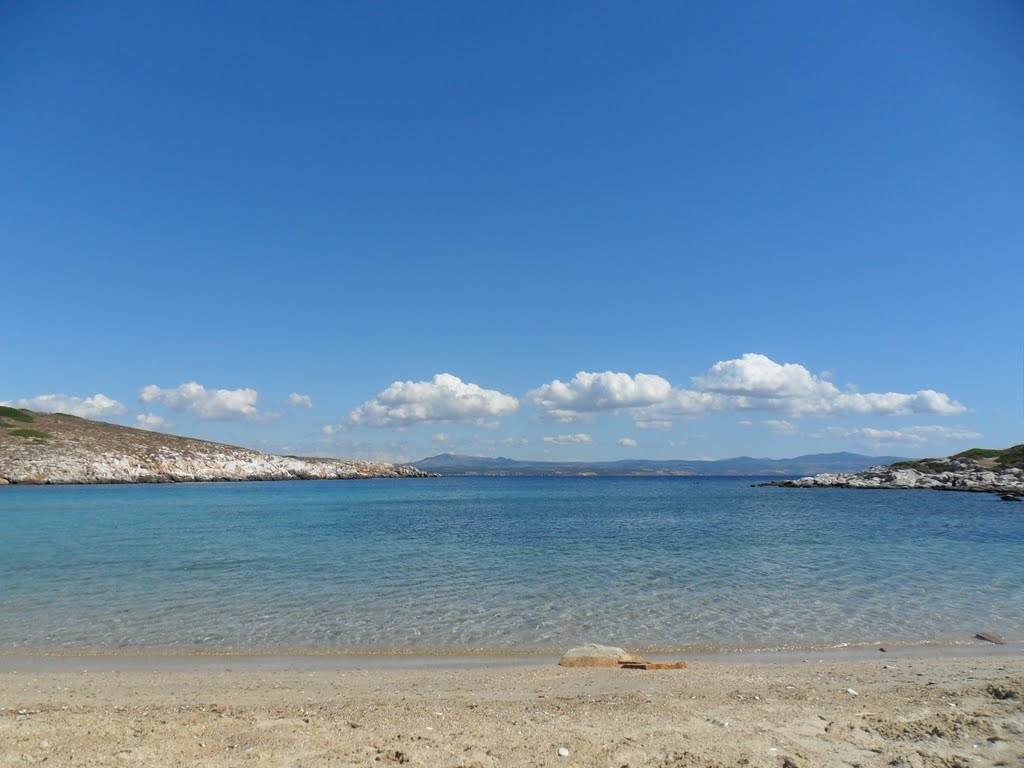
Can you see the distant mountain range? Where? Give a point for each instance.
(455, 464)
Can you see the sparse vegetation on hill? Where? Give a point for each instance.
(23, 417)
(39, 435)
(15, 414)
(926, 466)
(1002, 458)
(62, 449)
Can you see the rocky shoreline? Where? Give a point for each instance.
(966, 473)
(66, 450)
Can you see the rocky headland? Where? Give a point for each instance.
(980, 470)
(57, 449)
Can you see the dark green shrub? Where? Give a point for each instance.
(30, 433)
(16, 414)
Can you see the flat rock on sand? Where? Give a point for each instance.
(595, 655)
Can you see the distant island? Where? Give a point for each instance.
(981, 470)
(741, 466)
(58, 449)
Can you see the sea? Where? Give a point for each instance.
(501, 565)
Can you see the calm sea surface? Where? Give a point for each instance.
(506, 565)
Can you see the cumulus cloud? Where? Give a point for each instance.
(627, 442)
(95, 407)
(446, 398)
(752, 382)
(578, 438)
(207, 404)
(441, 437)
(150, 421)
(917, 435)
(591, 392)
(296, 400)
(759, 376)
(925, 401)
(757, 382)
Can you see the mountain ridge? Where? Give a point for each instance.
(843, 461)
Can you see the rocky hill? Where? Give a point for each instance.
(43, 448)
(985, 470)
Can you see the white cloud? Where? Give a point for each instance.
(644, 423)
(441, 437)
(690, 402)
(911, 436)
(752, 382)
(756, 382)
(329, 429)
(446, 398)
(781, 426)
(892, 404)
(297, 400)
(760, 377)
(514, 441)
(578, 438)
(627, 442)
(680, 403)
(207, 404)
(593, 392)
(505, 441)
(150, 421)
(95, 407)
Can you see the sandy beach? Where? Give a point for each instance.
(961, 706)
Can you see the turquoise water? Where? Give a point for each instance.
(501, 564)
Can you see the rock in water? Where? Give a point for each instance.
(594, 655)
(992, 637)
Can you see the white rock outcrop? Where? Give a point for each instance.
(959, 476)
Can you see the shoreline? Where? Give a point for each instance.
(254, 660)
(1004, 494)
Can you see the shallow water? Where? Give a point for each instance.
(501, 564)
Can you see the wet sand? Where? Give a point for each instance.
(959, 706)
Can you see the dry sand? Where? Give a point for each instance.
(956, 707)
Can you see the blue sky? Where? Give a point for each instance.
(575, 230)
